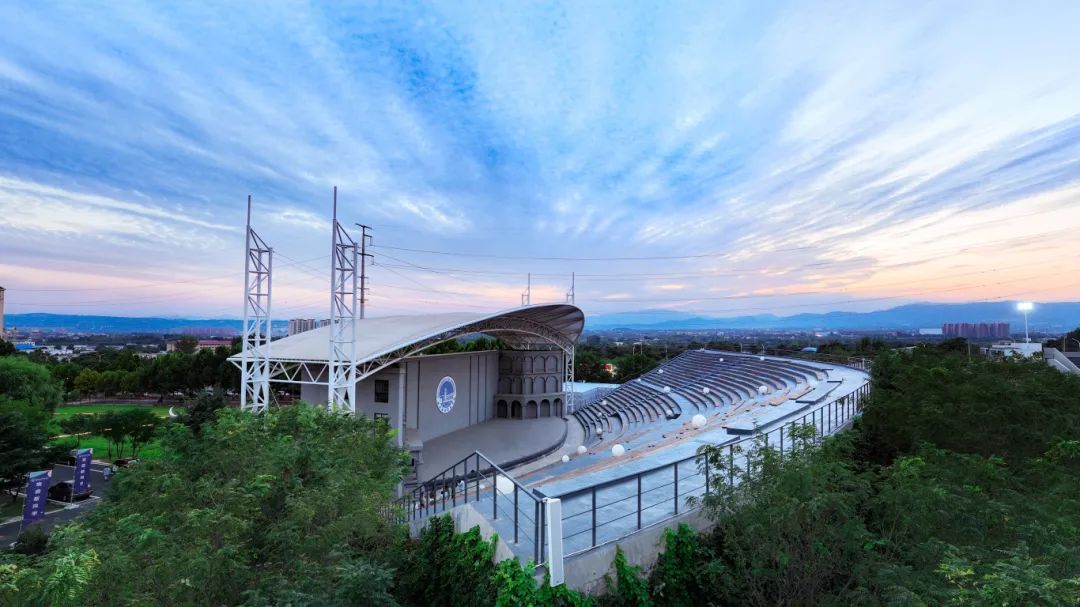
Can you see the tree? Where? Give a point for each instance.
(22, 450)
(285, 507)
(7, 348)
(87, 382)
(187, 345)
(204, 410)
(589, 366)
(77, 425)
(29, 382)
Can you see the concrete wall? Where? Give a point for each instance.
(412, 386)
(585, 572)
(476, 375)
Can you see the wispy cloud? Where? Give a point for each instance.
(805, 147)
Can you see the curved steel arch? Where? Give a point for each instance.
(504, 326)
(496, 326)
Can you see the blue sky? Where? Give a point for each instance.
(710, 157)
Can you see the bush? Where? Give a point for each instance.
(34, 540)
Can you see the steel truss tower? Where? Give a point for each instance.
(255, 356)
(569, 358)
(526, 295)
(344, 289)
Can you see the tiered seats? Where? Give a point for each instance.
(730, 378)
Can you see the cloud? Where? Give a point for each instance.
(803, 147)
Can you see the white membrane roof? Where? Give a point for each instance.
(525, 327)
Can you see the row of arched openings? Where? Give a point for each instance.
(530, 409)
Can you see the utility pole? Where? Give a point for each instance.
(365, 240)
(570, 293)
(526, 295)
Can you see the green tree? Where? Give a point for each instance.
(187, 345)
(286, 507)
(204, 410)
(87, 382)
(22, 450)
(29, 382)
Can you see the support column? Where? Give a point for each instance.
(255, 354)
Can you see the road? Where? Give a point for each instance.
(9, 532)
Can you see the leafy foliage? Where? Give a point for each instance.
(22, 450)
(957, 487)
(31, 383)
(279, 508)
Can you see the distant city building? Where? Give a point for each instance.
(300, 325)
(980, 330)
(931, 332)
(202, 344)
(209, 331)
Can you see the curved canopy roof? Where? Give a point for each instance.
(395, 337)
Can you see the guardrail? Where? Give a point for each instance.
(483, 480)
(614, 509)
(584, 399)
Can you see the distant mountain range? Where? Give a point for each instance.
(127, 324)
(1050, 316)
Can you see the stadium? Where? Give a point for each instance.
(502, 437)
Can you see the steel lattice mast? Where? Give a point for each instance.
(255, 356)
(569, 357)
(341, 369)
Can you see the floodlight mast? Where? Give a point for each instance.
(1025, 307)
(255, 354)
(569, 395)
(526, 295)
(365, 240)
(341, 365)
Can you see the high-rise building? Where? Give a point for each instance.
(1, 312)
(299, 325)
(981, 330)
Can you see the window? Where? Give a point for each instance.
(382, 390)
(385, 416)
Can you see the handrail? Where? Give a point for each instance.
(831, 415)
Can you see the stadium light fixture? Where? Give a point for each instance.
(1026, 307)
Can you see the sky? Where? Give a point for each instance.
(717, 157)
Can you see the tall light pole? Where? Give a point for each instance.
(1025, 307)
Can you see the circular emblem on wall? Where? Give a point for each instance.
(445, 394)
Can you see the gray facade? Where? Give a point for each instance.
(530, 384)
(408, 397)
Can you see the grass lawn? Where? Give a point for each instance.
(69, 410)
(100, 446)
(97, 443)
(9, 508)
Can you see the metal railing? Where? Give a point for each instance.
(614, 509)
(584, 399)
(476, 479)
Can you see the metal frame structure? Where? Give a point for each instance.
(365, 240)
(341, 363)
(296, 371)
(526, 295)
(255, 392)
(568, 375)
